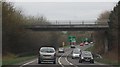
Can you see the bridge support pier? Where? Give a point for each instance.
(106, 44)
(106, 41)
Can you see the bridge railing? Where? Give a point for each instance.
(69, 24)
(78, 23)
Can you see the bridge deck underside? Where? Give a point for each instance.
(68, 27)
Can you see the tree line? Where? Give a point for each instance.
(111, 35)
(20, 41)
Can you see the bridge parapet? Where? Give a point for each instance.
(78, 22)
(69, 26)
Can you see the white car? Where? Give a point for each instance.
(86, 43)
(61, 50)
(76, 53)
(91, 42)
(47, 54)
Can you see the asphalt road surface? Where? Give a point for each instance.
(64, 60)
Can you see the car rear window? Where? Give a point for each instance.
(47, 50)
(86, 54)
(76, 51)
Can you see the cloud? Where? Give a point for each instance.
(66, 10)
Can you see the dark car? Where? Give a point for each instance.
(86, 56)
(72, 46)
(81, 44)
(47, 54)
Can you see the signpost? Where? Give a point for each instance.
(63, 44)
(85, 39)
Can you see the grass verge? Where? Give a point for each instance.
(106, 61)
(15, 60)
(90, 49)
(0, 61)
(66, 46)
(103, 59)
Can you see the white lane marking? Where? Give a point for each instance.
(59, 60)
(68, 61)
(28, 63)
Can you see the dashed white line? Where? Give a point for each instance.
(68, 61)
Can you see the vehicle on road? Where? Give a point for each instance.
(72, 46)
(47, 54)
(86, 43)
(61, 50)
(91, 42)
(86, 56)
(76, 53)
(81, 44)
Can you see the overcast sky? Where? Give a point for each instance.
(65, 10)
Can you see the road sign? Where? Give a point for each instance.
(71, 38)
(85, 39)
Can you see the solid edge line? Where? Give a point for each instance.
(68, 61)
(28, 63)
(59, 60)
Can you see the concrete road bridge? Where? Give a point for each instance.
(68, 26)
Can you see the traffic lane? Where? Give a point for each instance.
(67, 60)
(76, 60)
(67, 51)
(35, 61)
(43, 65)
(63, 59)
